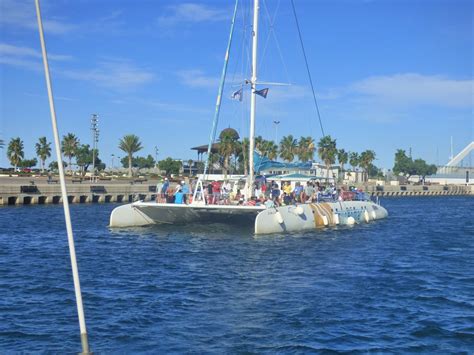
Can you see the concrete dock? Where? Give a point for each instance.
(30, 190)
(37, 190)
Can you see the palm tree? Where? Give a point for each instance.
(130, 144)
(43, 151)
(69, 147)
(354, 161)
(366, 159)
(259, 144)
(306, 149)
(327, 152)
(228, 145)
(2, 143)
(271, 149)
(15, 151)
(342, 157)
(243, 152)
(288, 148)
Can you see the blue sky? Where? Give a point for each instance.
(388, 74)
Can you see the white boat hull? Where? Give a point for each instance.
(317, 215)
(144, 213)
(293, 218)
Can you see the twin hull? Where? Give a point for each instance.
(291, 218)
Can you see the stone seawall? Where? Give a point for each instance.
(419, 190)
(25, 194)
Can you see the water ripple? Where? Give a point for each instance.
(400, 285)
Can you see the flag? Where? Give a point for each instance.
(237, 95)
(263, 93)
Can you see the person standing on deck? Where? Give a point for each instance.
(216, 192)
(164, 190)
(159, 185)
(185, 191)
(179, 197)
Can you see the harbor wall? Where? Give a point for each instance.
(419, 190)
(26, 194)
(30, 192)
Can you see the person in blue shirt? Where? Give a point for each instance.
(185, 191)
(178, 196)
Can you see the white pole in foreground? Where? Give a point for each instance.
(253, 98)
(67, 217)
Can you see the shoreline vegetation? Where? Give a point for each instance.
(229, 155)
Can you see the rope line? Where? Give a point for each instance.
(307, 67)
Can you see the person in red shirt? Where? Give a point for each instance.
(216, 192)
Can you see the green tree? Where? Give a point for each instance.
(354, 161)
(327, 151)
(139, 162)
(288, 148)
(403, 164)
(53, 166)
(306, 149)
(170, 166)
(242, 155)
(342, 158)
(28, 163)
(15, 151)
(228, 146)
(366, 159)
(2, 144)
(84, 156)
(373, 171)
(43, 151)
(423, 169)
(130, 144)
(69, 147)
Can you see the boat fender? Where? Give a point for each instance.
(366, 216)
(299, 210)
(279, 217)
(351, 220)
(325, 220)
(335, 218)
(374, 215)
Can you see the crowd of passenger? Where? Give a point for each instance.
(265, 192)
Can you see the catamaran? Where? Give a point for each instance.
(276, 219)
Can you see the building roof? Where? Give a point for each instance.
(203, 148)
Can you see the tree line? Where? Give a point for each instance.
(231, 155)
(289, 149)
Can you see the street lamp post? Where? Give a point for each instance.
(113, 157)
(156, 157)
(95, 138)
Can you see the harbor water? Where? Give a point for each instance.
(403, 284)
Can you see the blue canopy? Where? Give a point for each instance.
(261, 163)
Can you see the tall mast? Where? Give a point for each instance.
(253, 98)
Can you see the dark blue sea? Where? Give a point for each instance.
(404, 284)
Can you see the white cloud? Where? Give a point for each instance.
(118, 75)
(398, 97)
(114, 74)
(22, 14)
(192, 13)
(415, 89)
(25, 57)
(8, 50)
(197, 79)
